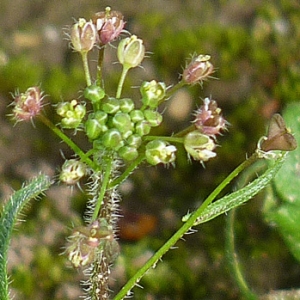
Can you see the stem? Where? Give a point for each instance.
(233, 259)
(128, 171)
(152, 261)
(103, 189)
(83, 157)
(99, 67)
(174, 89)
(185, 131)
(86, 68)
(182, 230)
(246, 193)
(121, 82)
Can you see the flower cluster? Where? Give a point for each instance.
(104, 28)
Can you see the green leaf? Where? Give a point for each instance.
(8, 218)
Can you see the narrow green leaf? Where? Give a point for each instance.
(8, 218)
(239, 197)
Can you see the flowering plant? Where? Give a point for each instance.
(119, 131)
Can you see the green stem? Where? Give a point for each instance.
(104, 185)
(233, 259)
(128, 171)
(185, 131)
(86, 68)
(99, 67)
(121, 82)
(83, 157)
(152, 261)
(174, 89)
(185, 227)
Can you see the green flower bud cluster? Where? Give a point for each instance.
(118, 125)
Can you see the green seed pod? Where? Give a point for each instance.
(142, 128)
(112, 138)
(94, 93)
(153, 117)
(137, 116)
(111, 105)
(128, 153)
(126, 105)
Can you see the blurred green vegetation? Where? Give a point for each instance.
(255, 49)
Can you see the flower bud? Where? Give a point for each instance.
(112, 138)
(83, 35)
(111, 105)
(72, 171)
(137, 116)
(208, 118)
(72, 113)
(160, 152)
(122, 122)
(109, 25)
(128, 153)
(131, 52)
(126, 105)
(153, 117)
(27, 105)
(198, 70)
(199, 146)
(152, 93)
(134, 141)
(142, 128)
(94, 93)
(96, 124)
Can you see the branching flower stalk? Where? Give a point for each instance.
(118, 130)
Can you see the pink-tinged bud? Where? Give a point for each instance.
(131, 52)
(109, 25)
(208, 118)
(27, 105)
(83, 35)
(198, 70)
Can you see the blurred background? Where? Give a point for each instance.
(255, 49)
